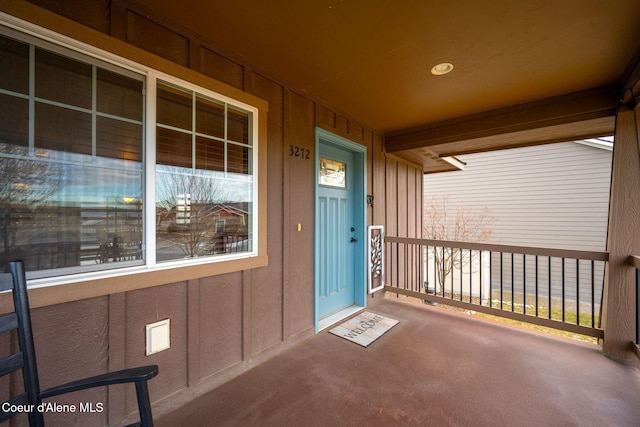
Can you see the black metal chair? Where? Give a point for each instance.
(25, 360)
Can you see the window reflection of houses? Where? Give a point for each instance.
(202, 228)
(231, 228)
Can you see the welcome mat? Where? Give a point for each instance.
(365, 328)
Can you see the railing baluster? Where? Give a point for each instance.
(416, 270)
(396, 256)
(420, 263)
(536, 284)
(470, 276)
(392, 270)
(405, 276)
(593, 294)
(524, 283)
(461, 291)
(411, 272)
(501, 284)
(452, 257)
(490, 278)
(563, 284)
(549, 295)
(402, 272)
(444, 284)
(426, 272)
(481, 278)
(413, 269)
(440, 269)
(407, 262)
(513, 279)
(577, 291)
(436, 270)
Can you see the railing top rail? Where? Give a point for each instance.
(552, 252)
(634, 260)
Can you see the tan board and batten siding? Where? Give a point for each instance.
(221, 324)
(550, 196)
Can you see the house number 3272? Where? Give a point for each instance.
(303, 153)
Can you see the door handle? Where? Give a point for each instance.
(353, 240)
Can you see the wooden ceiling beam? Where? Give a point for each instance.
(631, 93)
(575, 107)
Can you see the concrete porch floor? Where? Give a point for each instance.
(433, 368)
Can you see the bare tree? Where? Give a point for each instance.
(26, 186)
(455, 224)
(188, 198)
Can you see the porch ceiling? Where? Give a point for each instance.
(371, 59)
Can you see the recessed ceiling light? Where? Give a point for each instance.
(443, 68)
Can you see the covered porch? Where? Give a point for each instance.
(243, 343)
(434, 368)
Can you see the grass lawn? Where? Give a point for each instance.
(546, 309)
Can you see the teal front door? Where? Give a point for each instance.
(340, 224)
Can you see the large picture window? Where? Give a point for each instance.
(76, 183)
(71, 143)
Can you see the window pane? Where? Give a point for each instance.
(63, 79)
(174, 107)
(173, 148)
(119, 95)
(14, 121)
(200, 213)
(203, 208)
(14, 66)
(238, 126)
(210, 118)
(74, 200)
(332, 173)
(119, 140)
(238, 159)
(69, 215)
(63, 130)
(209, 154)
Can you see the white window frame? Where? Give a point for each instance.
(33, 34)
(150, 162)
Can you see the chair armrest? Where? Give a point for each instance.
(132, 375)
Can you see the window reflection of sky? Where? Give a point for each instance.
(85, 180)
(100, 181)
(220, 186)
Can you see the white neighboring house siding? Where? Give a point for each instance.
(554, 196)
(549, 196)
